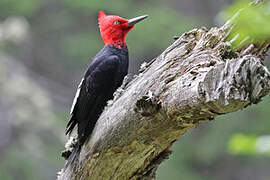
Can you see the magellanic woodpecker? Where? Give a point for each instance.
(103, 76)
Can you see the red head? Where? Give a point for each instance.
(113, 29)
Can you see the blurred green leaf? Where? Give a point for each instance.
(251, 24)
(242, 144)
(249, 144)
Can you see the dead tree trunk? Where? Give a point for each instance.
(194, 80)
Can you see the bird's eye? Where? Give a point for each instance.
(116, 22)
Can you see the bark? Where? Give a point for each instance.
(194, 80)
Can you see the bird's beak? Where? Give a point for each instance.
(136, 20)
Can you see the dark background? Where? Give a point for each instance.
(45, 47)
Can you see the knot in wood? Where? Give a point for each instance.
(147, 106)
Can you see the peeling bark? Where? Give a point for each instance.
(197, 78)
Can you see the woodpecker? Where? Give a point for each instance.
(104, 75)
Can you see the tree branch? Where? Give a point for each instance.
(197, 78)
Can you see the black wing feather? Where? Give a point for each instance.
(95, 90)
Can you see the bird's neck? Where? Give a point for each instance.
(118, 43)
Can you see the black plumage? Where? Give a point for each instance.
(103, 76)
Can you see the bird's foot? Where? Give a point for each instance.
(69, 147)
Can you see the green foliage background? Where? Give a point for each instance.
(63, 38)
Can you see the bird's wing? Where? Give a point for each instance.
(89, 94)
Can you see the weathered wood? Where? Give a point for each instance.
(197, 78)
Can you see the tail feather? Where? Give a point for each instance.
(73, 155)
(70, 126)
